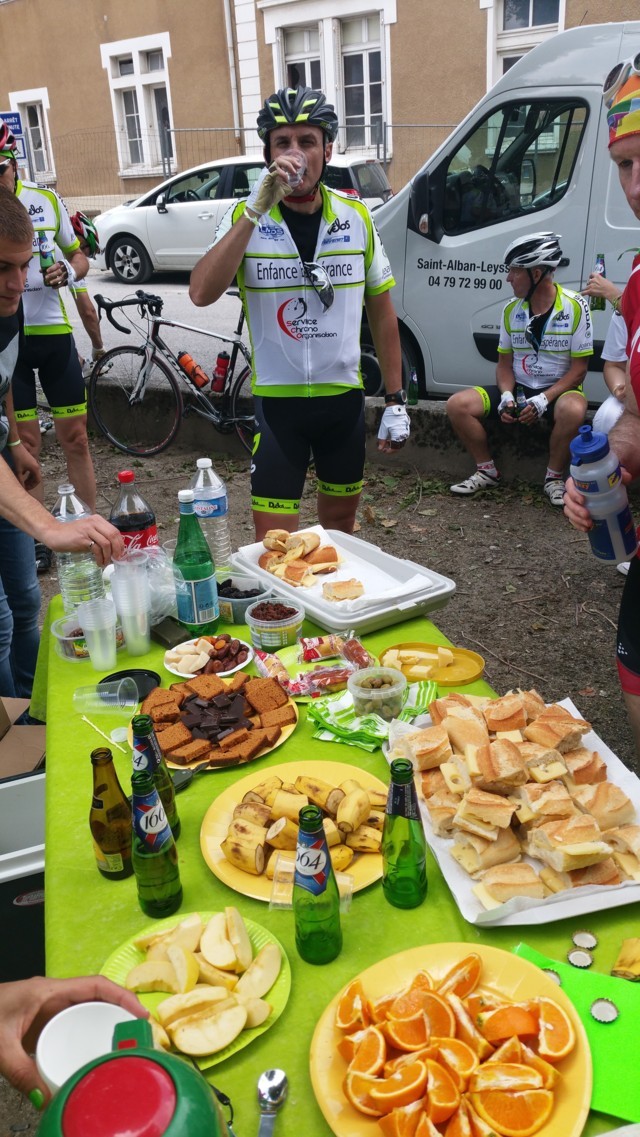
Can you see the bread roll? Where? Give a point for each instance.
(507, 713)
(342, 590)
(475, 854)
(547, 802)
(441, 807)
(605, 873)
(586, 767)
(309, 541)
(607, 803)
(491, 809)
(440, 708)
(276, 539)
(566, 845)
(427, 748)
(322, 560)
(503, 882)
(269, 560)
(502, 767)
(465, 732)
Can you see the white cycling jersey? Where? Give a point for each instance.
(44, 310)
(567, 335)
(298, 348)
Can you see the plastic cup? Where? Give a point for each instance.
(170, 547)
(117, 698)
(77, 1035)
(132, 597)
(97, 618)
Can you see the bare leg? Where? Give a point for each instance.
(338, 512)
(72, 436)
(465, 415)
(262, 522)
(632, 703)
(569, 415)
(31, 438)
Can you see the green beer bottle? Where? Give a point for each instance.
(316, 900)
(412, 389)
(153, 851)
(194, 573)
(109, 818)
(404, 849)
(598, 303)
(147, 755)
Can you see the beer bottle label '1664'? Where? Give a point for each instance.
(150, 822)
(146, 753)
(312, 862)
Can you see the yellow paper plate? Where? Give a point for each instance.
(365, 868)
(502, 973)
(120, 962)
(466, 666)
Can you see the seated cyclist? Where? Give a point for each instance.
(87, 235)
(543, 353)
(306, 258)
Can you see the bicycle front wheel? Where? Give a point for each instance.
(142, 425)
(242, 410)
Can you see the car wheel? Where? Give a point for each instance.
(128, 261)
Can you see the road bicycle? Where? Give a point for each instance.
(138, 396)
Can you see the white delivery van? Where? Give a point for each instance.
(531, 156)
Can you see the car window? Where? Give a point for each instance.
(372, 180)
(244, 179)
(518, 160)
(200, 186)
(337, 177)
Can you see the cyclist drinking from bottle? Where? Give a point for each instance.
(306, 259)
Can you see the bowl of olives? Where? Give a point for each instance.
(377, 690)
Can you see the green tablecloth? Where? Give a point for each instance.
(87, 916)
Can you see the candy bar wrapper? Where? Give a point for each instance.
(312, 648)
(270, 667)
(356, 654)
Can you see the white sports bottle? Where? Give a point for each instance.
(79, 577)
(595, 470)
(212, 510)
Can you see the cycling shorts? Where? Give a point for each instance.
(290, 431)
(491, 397)
(628, 645)
(56, 360)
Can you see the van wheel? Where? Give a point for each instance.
(129, 262)
(371, 373)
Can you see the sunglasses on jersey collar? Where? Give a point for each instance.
(617, 78)
(319, 281)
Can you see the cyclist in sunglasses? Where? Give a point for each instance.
(545, 344)
(621, 95)
(306, 259)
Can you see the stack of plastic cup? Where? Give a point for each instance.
(97, 618)
(130, 591)
(118, 698)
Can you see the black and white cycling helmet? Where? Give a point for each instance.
(298, 106)
(536, 250)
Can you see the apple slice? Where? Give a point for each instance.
(156, 975)
(215, 945)
(187, 932)
(239, 937)
(161, 1040)
(179, 1006)
(185, 965)
(258, 1010)
(213, 975)
(260, 977)
(198, 1035)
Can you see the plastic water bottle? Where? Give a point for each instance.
(212, 510)
(79, 577)
(595, 470)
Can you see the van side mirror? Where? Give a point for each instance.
(419, 203)
(161, 203)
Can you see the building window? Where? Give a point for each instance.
(529, 13)
(362, 80)
(32, 106)
(302, 57)
(137, 71)
(34, 125)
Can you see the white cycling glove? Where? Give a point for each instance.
(267, 192)
(539, 403)
(395, 426)
(507, 403)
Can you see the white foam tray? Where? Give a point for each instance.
(395, 589)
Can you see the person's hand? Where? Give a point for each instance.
(598, 285)
(507, 407)
(58, 275)
(25, 467)
(271, 187)
(619, 392)
(88, 534)
(26, 1007)
(534, 409)
(395, 428)
(575, 509)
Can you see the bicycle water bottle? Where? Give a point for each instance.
(79, 577)
(220, 372)
(212, 506)
(192, 370)
(595, 470)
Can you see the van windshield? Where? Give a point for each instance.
(517, 161)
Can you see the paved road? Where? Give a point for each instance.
(174, 290)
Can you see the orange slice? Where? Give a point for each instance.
(371, 1052)
(506, 1022)
(477, 1003)
(426, 1128)
(556, 1036)
(479, 1127)
(505, 1076)
(510, 1051)
(348, 1045)
(410, 1056)
(407, 1034)
(463, 978)
(467, 1030)
(443, 1095)
(406, 1085)
(401, 1122)
(379, 1008)
(357, 1089)
(457, 1056)
(422, 979)
(514, 1115)
(353, 1010)
(459, 1124)
(549, 1072)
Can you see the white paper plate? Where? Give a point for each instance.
(221, 674)
(524, 910)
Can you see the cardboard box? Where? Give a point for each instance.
(22, 875)
(22, 748)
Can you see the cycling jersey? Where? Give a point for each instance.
(567, 335)
(44, 311)
(630, 306)
(298, 348)
(614, 348)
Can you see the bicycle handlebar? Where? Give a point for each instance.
(144, 300)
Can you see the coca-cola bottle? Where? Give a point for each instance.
(133, 515)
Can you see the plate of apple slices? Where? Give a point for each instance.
(212, 981)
